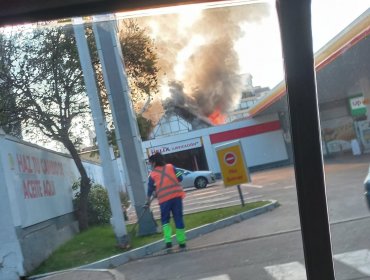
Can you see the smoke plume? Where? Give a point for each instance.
(210, 79)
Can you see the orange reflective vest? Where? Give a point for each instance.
(166, 184)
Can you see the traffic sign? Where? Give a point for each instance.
(230, 158)
(233, 166)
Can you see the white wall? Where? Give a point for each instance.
(94, 171)
(211, 155)
(259, 149)
(35, 189)
(11, 258)
(39, 182)
(264, 148)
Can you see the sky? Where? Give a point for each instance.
(263, 58)
(260, 48)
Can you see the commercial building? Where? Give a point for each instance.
(344, 100)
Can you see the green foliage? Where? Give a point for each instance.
(141, 66)
(140, 57)
(125, 200)
(98, 207)
(8, 113)
(44, 89)
(145, 127)
(86, 247)
(99, 211)
(99, 242)
(49, 83)
(45, 79)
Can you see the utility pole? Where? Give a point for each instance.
(127, 132)
(110, 179)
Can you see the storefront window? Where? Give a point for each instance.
(343, 87)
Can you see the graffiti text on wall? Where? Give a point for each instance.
(35, 188)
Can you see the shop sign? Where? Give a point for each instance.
(232, 163)
(176, 147)
(357, 106)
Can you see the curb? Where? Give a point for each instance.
(157, 246)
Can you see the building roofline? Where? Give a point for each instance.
(358, 30)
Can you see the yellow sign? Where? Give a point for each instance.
(233, 166)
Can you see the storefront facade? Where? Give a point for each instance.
(262, 139)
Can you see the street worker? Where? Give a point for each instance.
(165, 180)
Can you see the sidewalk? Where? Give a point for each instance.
(101, 270)
(229, 229)
(86, 274)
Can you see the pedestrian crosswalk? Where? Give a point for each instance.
(358, 260)
(293, 270)
(212, 197)
(218, 277)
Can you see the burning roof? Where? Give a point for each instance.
(202, 60)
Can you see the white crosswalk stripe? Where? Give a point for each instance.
(287, 271)
(252, 186)
(218, 277)
(360, 260)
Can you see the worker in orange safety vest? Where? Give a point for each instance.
(165, 180)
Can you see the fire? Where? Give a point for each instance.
(217, 117)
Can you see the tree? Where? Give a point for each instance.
(145, 127)
(9, 120)
(141, 63)
(46, 82)
(51, 96)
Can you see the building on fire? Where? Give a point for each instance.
(264, 128)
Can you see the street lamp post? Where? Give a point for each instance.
(127, 132)
(110, 179)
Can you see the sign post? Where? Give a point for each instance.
(233, 166)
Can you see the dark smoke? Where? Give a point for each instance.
(184, 106)
(211, 79)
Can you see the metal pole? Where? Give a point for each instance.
(296, 35)
(241, 195)
(127, 132)
(111, 183)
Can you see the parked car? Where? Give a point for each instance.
(197, 179)
(367, 188)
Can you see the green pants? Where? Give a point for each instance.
(167, 234)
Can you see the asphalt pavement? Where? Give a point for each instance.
(271, 240)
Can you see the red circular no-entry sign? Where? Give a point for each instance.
(230, 158)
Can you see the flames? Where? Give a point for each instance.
(217, 117)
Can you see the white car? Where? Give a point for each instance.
(197, 179)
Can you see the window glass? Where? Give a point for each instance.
(343, 85)
(200, 79)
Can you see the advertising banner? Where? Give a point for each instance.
(337, 134)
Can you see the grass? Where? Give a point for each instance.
(98, 243)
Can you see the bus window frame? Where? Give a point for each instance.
(296, 37)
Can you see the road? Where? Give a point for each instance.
(212, 197)
(269, 246)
